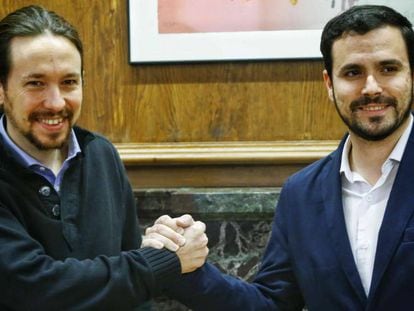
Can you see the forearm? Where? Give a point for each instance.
(275, 286)
(33, 280)
(208, 289)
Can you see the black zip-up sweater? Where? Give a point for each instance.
(77, 250)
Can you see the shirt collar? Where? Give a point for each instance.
(399, 148)
(24, 158)
(396, 154)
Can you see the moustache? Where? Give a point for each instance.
(365, 100)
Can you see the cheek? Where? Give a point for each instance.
(403, 93)
(26, 109)
(25, 101)
(345, 93)
(18, 108)
(75, 103)
(348, 90)
(401, 86)
(74, 100)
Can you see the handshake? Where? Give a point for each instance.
(182, 235)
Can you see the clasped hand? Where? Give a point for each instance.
(182, 235)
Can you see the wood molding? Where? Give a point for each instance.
(219, 153)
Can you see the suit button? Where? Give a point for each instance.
(44, 191)
(56, 210)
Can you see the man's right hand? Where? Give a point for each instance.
(193, 253)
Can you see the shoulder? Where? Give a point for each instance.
(97, 149)
(308, 183)
(93, 142)
(318, 169)
(313, 171)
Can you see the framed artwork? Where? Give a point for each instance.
(220, 30)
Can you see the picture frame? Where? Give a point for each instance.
(148, 45)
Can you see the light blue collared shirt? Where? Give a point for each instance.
(31, 163)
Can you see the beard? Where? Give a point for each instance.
(376, 132)
(53, 141)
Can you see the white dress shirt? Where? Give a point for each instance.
(364, 206)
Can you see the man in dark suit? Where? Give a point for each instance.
(343, 232)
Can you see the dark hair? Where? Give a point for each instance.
(362, 19)
(32, 21)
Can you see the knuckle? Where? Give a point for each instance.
(199, 226)
(187, 217)
(202, 226)
(147, 236)
(158, 228)
(163, 219)
(154, 229)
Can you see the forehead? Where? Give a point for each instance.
(43, 50)
(374, 46)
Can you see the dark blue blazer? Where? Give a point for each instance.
(308, 260)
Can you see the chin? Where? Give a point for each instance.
(49, 146)
(49, 143)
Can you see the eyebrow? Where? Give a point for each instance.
(381, 63)
(349, 67)
(391, 62)
(33, 76)
(40, 76)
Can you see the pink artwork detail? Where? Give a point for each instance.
(193, 16)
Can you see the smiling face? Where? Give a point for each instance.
(43, 95)
(371, 83)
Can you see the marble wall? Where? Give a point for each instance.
(238, 224)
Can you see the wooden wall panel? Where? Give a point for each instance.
(246, 101)
(140, 106)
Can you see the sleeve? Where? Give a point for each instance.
(274, 287)
(32, 280)
(131, 235)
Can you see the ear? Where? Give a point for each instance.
(328, 85)
(2, 95)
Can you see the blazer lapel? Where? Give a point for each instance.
(332, 198)
(399, 209)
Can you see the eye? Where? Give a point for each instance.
(70, 82)
(35, 83)
(389, 69)
(352, 73)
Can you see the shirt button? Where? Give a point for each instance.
(369, 198)
(45, 191)
(56, 210)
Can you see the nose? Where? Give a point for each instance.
(54, 99)
(372, 87)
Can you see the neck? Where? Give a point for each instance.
(53, 158)
(367, 157)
